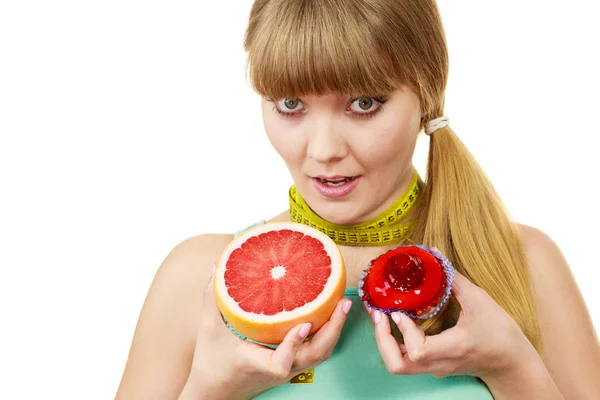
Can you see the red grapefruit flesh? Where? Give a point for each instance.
(276, 276)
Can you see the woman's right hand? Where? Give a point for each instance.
(226, 367)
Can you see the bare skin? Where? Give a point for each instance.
(163, 345)
(325, 137)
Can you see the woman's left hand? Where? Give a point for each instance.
(486, 341)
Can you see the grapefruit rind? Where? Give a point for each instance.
(449, 276)
(271, 329)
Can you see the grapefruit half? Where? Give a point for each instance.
(276, 276)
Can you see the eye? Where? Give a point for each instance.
(289, 105)
(365, 104)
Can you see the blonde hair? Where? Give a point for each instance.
(370, 48)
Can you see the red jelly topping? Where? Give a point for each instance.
(407, 278)
(404, 272)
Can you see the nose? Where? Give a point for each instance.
(325, 143)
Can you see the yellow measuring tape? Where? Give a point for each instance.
(304, 377)
(384, 229)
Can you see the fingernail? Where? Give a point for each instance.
(367, 308)
(214, 268)
(304, 330)
(396, 317)
(346, 306)
(376, 316)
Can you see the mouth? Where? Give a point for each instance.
(335, 186)
(336, 181)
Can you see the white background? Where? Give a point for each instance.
(128, 126)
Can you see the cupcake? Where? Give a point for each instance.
(412, 279)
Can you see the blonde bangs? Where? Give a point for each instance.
(298, 48)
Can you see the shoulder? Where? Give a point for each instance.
(188, 265)
(184, 273)
(547, 264)
(570, 343)
(549, 271)
(195, 255)
(535, 239)
(539, 247)
(164, 338)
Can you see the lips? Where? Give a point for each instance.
(335, 186)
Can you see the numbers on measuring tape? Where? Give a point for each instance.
(304, 377)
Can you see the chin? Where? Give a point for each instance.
(339, 214)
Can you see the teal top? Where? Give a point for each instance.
(356, 370)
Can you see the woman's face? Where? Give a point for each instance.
(348, 157)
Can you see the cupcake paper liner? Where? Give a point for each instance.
(448, 271)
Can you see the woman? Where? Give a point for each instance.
(347, 87)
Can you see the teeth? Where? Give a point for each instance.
(336, 182)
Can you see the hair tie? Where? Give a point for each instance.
(436, 124)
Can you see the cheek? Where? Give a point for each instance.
(401, 134)
(390, 143)
(285, 139)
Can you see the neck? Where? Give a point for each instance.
(390, 227)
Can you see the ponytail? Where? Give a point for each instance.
(461, 214)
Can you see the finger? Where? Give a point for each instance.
(402, 348)
(321, 345)
(209, 305)
(394, 354)
(413, 334)
(211, 317)
(463, 289)
(386, 342)
(282, 359)
(423, 348)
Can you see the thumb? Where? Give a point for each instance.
(460, 286)
(284, 355)
(463, 290)
(209, 305)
